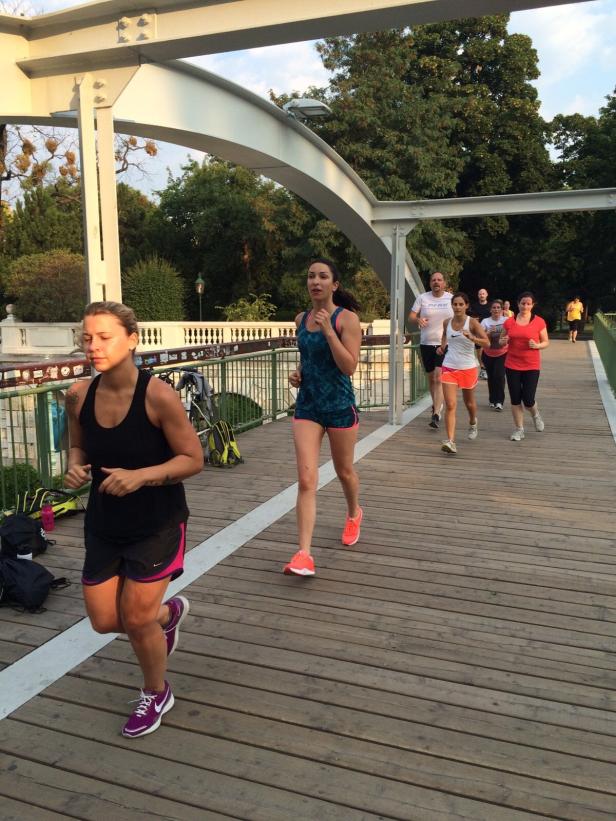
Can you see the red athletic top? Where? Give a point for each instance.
(520, 357)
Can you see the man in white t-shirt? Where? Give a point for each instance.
(430, 310)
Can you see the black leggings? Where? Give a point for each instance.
(522, 386)
(495, 368)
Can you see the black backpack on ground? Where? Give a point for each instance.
(25, 584)
(22, 536)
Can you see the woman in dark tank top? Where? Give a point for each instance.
(129, 436)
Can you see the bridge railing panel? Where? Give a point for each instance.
(604, 334)
(249, 389)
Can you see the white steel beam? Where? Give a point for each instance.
(95, 274)
(387, 213)
(397, 314)
(109, 203)
(125, 32)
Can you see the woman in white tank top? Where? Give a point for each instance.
(460, 335)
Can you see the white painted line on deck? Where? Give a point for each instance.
(607, 395)
(27, 677)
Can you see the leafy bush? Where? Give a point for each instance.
(14, 479)
(240, 411)
(154, 289)
(253, 309)
(48, 287)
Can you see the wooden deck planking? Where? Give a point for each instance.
(456, 663)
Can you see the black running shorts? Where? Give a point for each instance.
(430, 358)
(148, 559)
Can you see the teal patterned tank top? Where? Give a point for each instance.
(323, 387)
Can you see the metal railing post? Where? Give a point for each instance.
(43, 438)
(274, 385)
(223, 388)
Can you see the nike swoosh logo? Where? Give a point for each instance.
(157, 564)
(159, 707)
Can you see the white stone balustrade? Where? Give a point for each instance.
(40, 340)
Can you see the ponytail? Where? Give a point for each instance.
(341, 298)
(346, 300)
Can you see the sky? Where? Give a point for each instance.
(576, 45)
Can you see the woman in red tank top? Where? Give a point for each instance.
(526, 335)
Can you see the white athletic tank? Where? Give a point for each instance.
(460, 354)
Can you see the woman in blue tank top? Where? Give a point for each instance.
(329, 340)
(130, 436)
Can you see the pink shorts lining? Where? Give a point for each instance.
(176, 564)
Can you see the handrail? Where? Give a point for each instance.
(604, 334)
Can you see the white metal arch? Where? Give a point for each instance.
(206, 112)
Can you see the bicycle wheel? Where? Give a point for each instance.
(201, 426)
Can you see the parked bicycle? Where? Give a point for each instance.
(197, 397)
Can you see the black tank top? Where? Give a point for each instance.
(134, 443)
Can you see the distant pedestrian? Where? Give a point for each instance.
(430, 310)
(494, 357)
(329, 341)
(575, 312)
(507, 312)
(480, 310)
(460, 335)
(526, 335)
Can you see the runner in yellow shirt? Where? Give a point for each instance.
(575, 310)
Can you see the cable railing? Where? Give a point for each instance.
(604, 334)
(249, 390)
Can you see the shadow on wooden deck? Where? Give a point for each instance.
(456, 663)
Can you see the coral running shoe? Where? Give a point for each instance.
(352, 529)
(178, 610)
(148, 713)
(302, 564)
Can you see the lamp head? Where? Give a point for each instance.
(304, 108)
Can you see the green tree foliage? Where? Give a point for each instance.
(50, 217)
(385, 124)
(396, 132)
(586, 242)
(250, 309)
(229, 225)
(135, 211)
(48, 287)
(155, 290)
(46, 218)
(485, 73)
(368, 290)
(444, 110)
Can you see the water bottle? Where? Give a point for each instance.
(47, 517)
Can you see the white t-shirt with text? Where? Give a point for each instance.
(436, 309)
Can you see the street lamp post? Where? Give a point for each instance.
(199, 288)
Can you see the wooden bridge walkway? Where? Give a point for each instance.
(458, 662)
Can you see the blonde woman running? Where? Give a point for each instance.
(460, 335)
